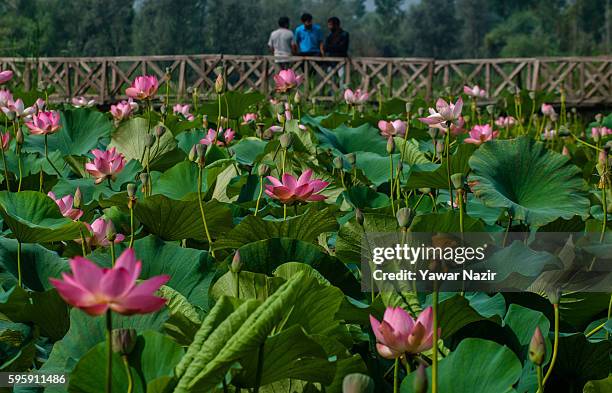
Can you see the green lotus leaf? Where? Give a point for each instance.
(343, 139)
(236, 102)
(154, 356)
(34, 217)
(82, 130)
(535, 185)
(176, 220)
(493, 368)
(248, 150)
(436, 175)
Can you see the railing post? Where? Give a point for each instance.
(181, 81)
(104, 83)
(535, 75)
(264, 82)
(430, 75)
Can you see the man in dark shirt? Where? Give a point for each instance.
(337, 42)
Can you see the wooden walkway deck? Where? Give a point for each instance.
(586, 81)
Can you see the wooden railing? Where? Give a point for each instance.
(585, 80)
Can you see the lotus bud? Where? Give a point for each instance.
(359, 216)
(201, 153)
(263, 170)
(205, 121)
(598, 117)
(490, 109)
(404, 217)
(408, 107)
(162, 109)
(160, 131)
(565, 151)
(390, 145)
(425, 190)
(351, 158)
(357, 383)
(532, 95)
(19, 137)
(298, 97)
(78, 198)
(457, 180)
(537, 347)
(420, 380)
(420, 111)
(338, 162)
(123, 341)
(286, 140)
(595, 136)
(192, 153)
(149, 140)
(223, 121)
(111, 233)
(281, 117)
(144, 178)
(236, 265)
(219, 84)
(267, 134)
(131, 190)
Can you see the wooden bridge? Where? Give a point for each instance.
(586, 81)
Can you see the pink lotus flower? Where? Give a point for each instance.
(183, 110)
(548, 110)
(565, 151)
(248, 118)
(391, 128)
(444, 112)
(44, 123)
(14, 109)
(291, 190)
(82, 102)
(287, 80)
(5, 76)
(504, 122)
(65, 205)
(99, 230)
(222, 139)
(95, 290)
(398, 333)
(39, 105)
(456, 127)
(144, 87)
(480, 134)
(5, 139)
(105, 165)
(475, 91)
(276, 129)
(356, 97)
(5, 97)
(600, 132)
(123, 110)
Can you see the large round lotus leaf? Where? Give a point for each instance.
(33, 217)
(535, 185)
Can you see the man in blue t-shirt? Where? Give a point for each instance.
(308, 38)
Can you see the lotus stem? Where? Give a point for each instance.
(555, 348)
(448, 168)
(461, 210)
(391, 182)
(604, 202)
(6, 175)
(342, 179)
(48, 159)
(261, 187)
(284, 212)
(41, 180)
(83, 248)
(260, 363)
(539, 373)
(128, 373)
(609, 314)
(112, 252)
(201, 203)
(131, 244)
(19, 282)
(109, 352)
(597, 328)
(434, 359)
(396, 376)
(507, 230)
(19, 168)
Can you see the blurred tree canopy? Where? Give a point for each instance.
(401, 28)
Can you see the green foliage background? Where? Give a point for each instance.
(432, 28)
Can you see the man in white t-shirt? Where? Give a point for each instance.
(280, 42)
